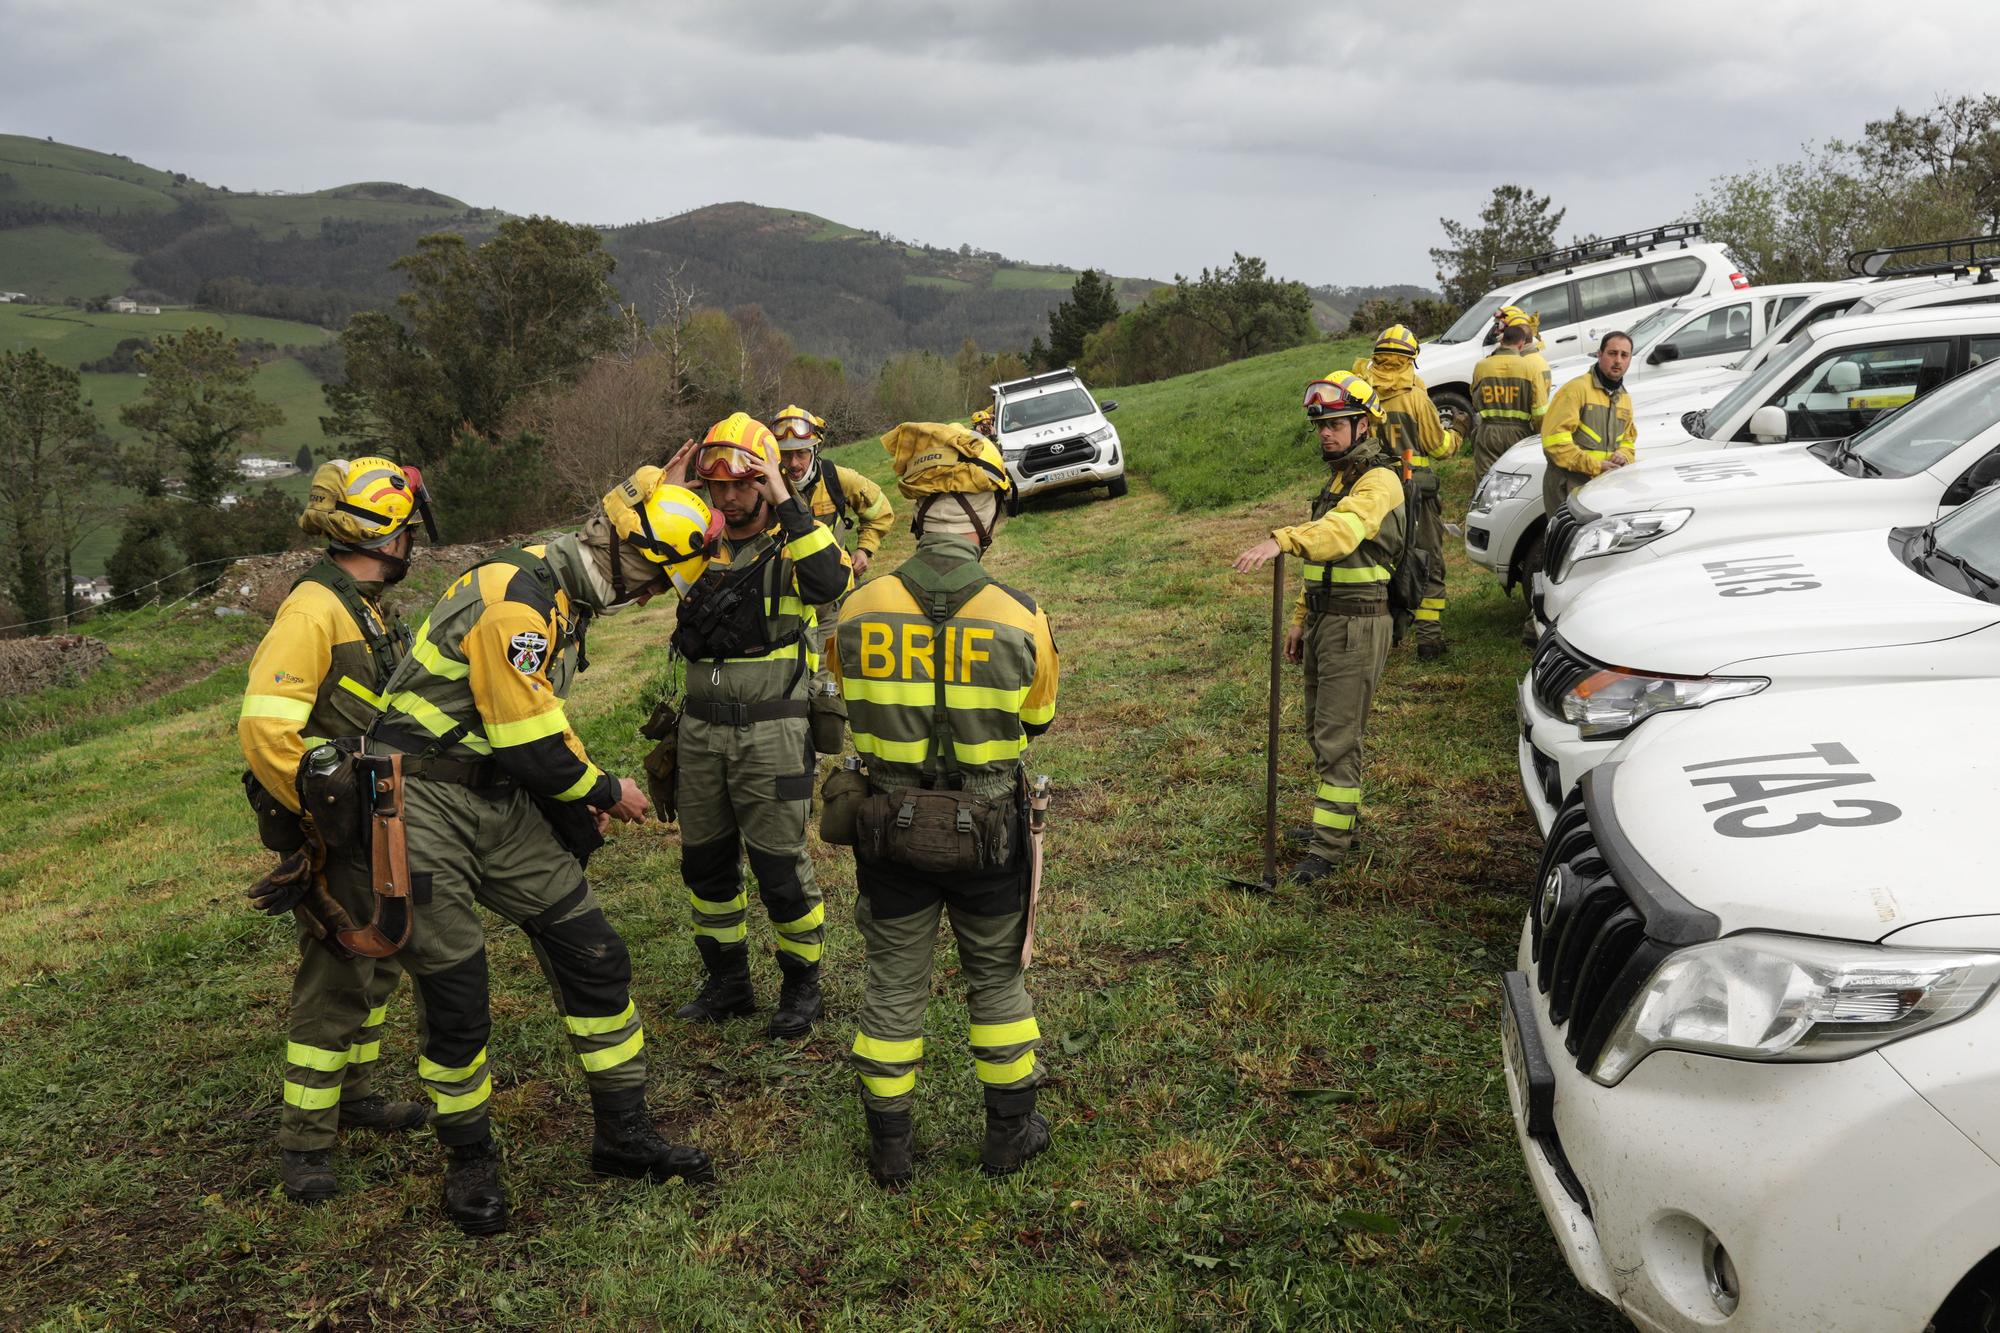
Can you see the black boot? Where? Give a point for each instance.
(474, 1195)
(626, 1144)
(1015, 1131)
(726, 993)
(1311, 869)
(307, 1175)
(1430, 652)
(891, 1142)
(377, 1112)
(799, 1003)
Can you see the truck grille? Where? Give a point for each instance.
(1589, 937)
(1555, 670)
(1557, 540)
(1052, 454)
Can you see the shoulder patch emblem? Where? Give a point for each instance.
(286, 678)
(530, 647)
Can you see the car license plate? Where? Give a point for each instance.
(1533, 1087)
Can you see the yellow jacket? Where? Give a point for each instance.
(1586, 424)
(868, 513)
(1506, 387)
(1414, 432)
(1348, 532)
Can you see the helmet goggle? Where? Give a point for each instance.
(422, 495)
(705, 530)
(794, 432)
(387, 506)
(728, 462)
(1327, 400)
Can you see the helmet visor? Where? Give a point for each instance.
(727, 462)
(422, 495)
(1325, 399)
(795, 433)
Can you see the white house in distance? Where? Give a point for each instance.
(90, 591)
(258, 468)
(7, 298)
(125, 305)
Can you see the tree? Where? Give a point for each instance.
(1092, 303)
(197, 412)
(1244, 307)
(480, 330)
(1515, 223)
(45, 477)
(303, 460)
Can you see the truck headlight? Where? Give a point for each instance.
(1494, 487)
(1760, 996)
(1102, 435)
(1621, 532)
(1606, 703)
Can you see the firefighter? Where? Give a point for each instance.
(1508, 398)
(1588, 428)
(1416, 438)
(1536, 350)
(1341, 628)
(502, 805)
(318, 675)
(982, 421)
(946, 673)
(745, 748)
(841, 498)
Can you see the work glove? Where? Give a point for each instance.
(286, 884)
(661, 764)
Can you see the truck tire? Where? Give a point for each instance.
(1117, 487)
(1454, 405)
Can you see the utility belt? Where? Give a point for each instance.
(355, 802)
(936, 828)
(1325, 602)
(482, 773)
(742, 715)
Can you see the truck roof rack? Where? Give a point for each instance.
(1030, 381)
(1605, 247)
(1967, 254)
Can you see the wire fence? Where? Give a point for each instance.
(130, 593)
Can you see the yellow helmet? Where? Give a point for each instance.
(983, 417)
(365, 503)
(735, 449)
(1397, 339)
(670, 526)
(1340, 394)
(1507, 314)
(796, 428)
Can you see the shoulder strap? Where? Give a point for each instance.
(835, 491)
(341, 584)
(939, 594)
(537, 567)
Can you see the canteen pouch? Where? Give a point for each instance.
(937, 832)
(279, 829)
(662, 762)
(840, 800)
(334, 794)
(826, 714)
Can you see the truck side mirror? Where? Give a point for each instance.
(1664, 353)
(1768, 425)
(1108, 405)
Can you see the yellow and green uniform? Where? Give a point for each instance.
(745, 774)
(1415, 437)
(317, 676)
(945, 702)
(1509, 398)
(1350, 548)
(479, 707)
(855, 508)
(1587, 421)
(1538, 361)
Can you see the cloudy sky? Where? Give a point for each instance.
(1143, 136)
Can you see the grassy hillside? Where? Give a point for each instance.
(57, 261)
(1277, 1110)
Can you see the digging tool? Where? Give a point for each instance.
(1270, 880)
(1038, 817)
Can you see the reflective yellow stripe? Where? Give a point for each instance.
(989, 752)
(1344, 795)
(316, 1057)
(591, 1027)
(273, 705)
(1005, 1034)
(984, 696)
(1039, 717)
(716, 908)
(1504, 414)
(376, 1016)
(735, 934)
(894, 752)
(581, 787)
(812, 920)
(891, 693)
(1346, 574)
(311, 1099)
(784, 606)
(434, 720)
(464, 1101)
(360, 691)
(596, 1062)
(432, 660)
(367, 1052)
(810, 951)
(1423, 615)
(1011, 1072)
(1332, 819)
(1584, 426)
(818, 539)
(1557, 437)
(431, 1070)
(1353, 521)
(504, 734)
(1419, 460)
(1434, 603)
(889, 1087)
(888, 1052)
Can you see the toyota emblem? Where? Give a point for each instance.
(1057, 447)
(1551, 898)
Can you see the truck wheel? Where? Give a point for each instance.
(1456, 410)
(1528, 558)
(1116, 488)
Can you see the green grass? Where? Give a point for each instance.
(23, 149)
(274, 215)
(1270, 1111)
(56, 261)
(71, 337)
(1033, 279)
(936, 280)
(59, 176)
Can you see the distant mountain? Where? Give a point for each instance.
(1334, 306)
(77, 224)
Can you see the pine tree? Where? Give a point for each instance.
(1092, 303)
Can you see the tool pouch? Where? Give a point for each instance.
(389, 860)
(279, 829)
(573, 824)
(663, 760)
(334, 794)
(840, 798)
(826, 714)
(938, 832)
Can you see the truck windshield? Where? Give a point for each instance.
(1962, 549)
(1902, 444)
(1755, 387)
(1028, 413)
(1474, 323)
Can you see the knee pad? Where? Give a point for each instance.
(457, 1021)
(707, 866)
(778, 883)
(591, 965)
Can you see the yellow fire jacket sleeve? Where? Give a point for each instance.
(1038, 710)
(1356, 518)
(1432, 437)
(520, 712)
(873, 514)
(285, 676)
(1559, 427)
